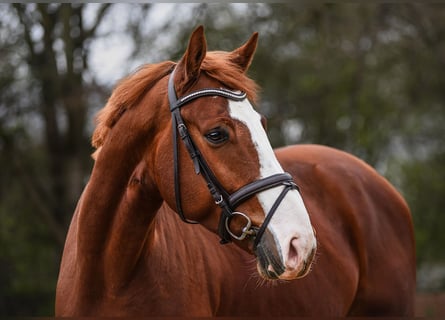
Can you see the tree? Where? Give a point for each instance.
(46, 89)
(56, 44)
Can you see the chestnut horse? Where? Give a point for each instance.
(145, 236)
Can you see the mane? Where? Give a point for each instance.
(126, 95)
(131, 89)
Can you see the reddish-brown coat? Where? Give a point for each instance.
(128, 254)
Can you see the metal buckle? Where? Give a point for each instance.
(246, 231)
(220, 200)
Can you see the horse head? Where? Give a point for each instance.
(216, 167)
(226, 154)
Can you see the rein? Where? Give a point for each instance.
(227, 202)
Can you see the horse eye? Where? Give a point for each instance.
(217, 136)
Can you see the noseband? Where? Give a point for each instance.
(227, 202)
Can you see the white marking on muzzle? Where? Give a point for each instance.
(291, 220)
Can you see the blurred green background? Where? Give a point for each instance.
(365, 78)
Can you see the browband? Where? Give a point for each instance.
(176, 103)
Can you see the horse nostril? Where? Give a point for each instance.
(292, 257)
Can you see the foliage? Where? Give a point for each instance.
(365, 78)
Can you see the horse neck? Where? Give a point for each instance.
(115, 215)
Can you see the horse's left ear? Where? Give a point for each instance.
(189, 65)
(243, 56)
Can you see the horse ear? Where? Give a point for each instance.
(243, 56)
(190, 63)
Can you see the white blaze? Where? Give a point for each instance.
(291, 219)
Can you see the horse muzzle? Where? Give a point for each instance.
(293, 262)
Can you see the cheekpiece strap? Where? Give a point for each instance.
(227, 202)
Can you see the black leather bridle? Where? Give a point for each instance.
(227, 202)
